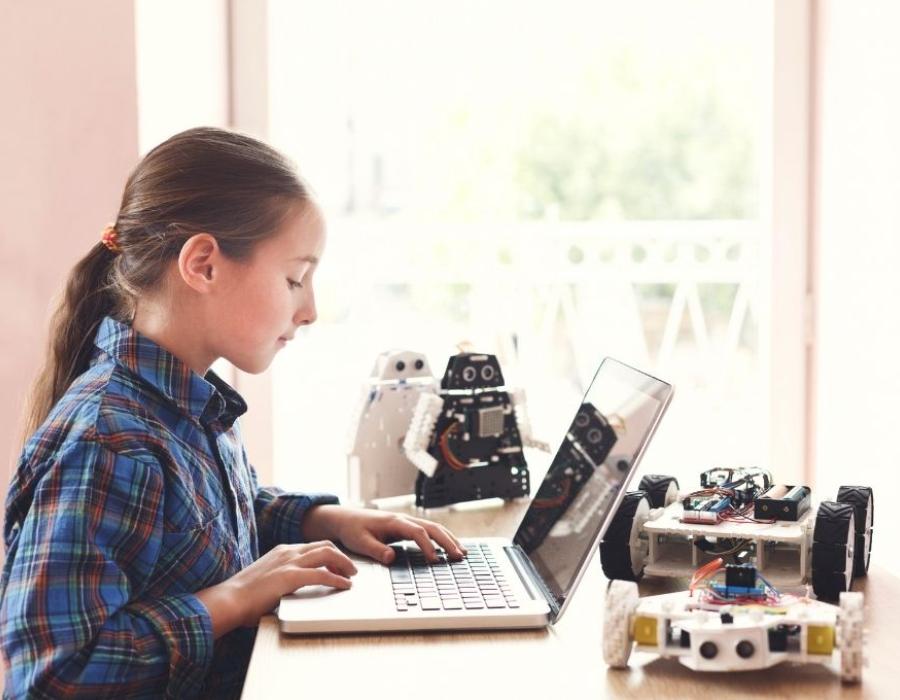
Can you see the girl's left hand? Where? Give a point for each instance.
(367, 532)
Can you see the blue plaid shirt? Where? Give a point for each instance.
(134, 495)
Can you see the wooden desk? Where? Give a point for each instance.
(563, 660)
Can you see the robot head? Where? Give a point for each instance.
(470, 371)
(592, 431)
(400, 365)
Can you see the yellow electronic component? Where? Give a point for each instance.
(644, 631)
(819, 640)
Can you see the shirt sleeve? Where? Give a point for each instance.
(279, 515)
(74, 619)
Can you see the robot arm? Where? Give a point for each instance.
(421, 428)
(523, 422)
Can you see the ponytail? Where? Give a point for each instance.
(87, 298)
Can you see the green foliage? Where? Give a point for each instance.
(668, 143)
(633, 136)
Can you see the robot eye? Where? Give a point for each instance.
(487, 373)
(469, 374)
(419, 364)
(581, 420)
(594, 436)
(401, 365)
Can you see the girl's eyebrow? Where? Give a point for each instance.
(307, 258)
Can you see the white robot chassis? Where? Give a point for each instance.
(745, 624)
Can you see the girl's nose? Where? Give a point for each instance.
(306, 314)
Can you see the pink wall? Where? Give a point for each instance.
(68, 139)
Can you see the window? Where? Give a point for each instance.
(548, 184)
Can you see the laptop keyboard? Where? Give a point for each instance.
(475, 583)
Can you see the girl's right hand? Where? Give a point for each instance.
(248, 595)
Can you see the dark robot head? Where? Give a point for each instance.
(592, 431)
(470, 371)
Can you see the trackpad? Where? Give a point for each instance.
(370, 585)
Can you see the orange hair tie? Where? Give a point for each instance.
(110, 238)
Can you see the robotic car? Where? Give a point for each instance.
(743, 623)
(739, 515)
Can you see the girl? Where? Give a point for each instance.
(141, 552)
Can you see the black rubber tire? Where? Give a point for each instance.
(829, 550)
(656, 486)
(615, 549)
(862, 499)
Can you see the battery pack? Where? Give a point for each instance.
(704, 510)
(781, 502)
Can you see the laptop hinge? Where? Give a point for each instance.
(531, 579)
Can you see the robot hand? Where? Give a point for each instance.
(524, 423)
(421, 427)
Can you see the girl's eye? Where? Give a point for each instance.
(294, 284)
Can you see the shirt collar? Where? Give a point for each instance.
(206, 398)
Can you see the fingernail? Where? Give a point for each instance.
(386, 557)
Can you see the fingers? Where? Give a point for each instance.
(321, 563)
(315, 554)
(420, 536)
(370, 546)
(444, 536)
(445, 539)
(425, 533)
(320, 577)
(329, 557)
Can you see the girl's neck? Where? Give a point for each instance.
(180, 335)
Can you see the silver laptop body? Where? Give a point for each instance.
(526, 582)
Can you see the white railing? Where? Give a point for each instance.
(549, 299)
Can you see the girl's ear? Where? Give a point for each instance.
(197, 261)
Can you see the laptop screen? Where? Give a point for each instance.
(597, 458)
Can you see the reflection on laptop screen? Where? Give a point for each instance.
(593, 464)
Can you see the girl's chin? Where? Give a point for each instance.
(256, 365)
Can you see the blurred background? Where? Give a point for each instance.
(708, 190)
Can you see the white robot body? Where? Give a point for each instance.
(377, 465)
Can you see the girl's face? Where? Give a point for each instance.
(266, 298)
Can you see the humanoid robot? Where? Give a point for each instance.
(376, 463)
(467, 441)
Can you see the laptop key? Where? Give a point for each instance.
(430, 603)
(494, 602)
(453, 604)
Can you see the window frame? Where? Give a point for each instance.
(786, 343)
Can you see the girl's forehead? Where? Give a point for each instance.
(301, 237)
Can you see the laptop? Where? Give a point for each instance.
(501, 584)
